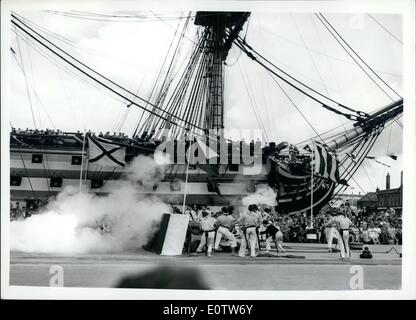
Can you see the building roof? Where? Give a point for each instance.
(387, 191)
(369, 197)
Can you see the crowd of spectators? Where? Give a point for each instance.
(20, 212)
(383, 227)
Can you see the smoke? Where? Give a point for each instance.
(71, 223)
(262, 196)
(148, 170)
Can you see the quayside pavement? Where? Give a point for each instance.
(302, 267)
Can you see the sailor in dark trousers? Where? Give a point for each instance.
(208, 238)
(224, 224)
(273, 233)
(249, 221)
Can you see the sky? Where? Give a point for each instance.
(131, 51)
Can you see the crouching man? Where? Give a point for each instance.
(224, 223)
(273, 233)
(331, 232)
(366, 254)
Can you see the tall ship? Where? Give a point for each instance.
(187, 108)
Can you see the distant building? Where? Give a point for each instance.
(383, 199)
(391, 198)
(368, 201)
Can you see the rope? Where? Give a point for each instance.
(246, 45)
(310, 55)
(26, 81)
(62, 66)
(296, 107)
(250, 55)
(93, 78)
(368, 176)
(27, 173)
(33, 90)
(354, 165)
(329, 64)
(177, 98)
(33, 117)
(150, 118)
(252, 102)
(324, 53)
(356, 54)
(384, 28)
(85, 49)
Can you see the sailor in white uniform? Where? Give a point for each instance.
(249, 221)
(331, 232)
(224, 224)
(344, 223)
(208, 227)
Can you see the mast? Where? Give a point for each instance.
(221, 28)
(216, 94)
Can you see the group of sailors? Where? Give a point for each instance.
(52, 132)
(108, 135)
(43, 138)
(48, 132)
(248, 227)
(245, 232)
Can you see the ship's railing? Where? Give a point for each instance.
(57, 138)
(45, 139)
(52, 139)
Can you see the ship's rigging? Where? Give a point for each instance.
(195, 102)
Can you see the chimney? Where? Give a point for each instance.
(388, 181)
(401, 178)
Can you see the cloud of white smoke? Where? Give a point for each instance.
(148, 170)
(262, 196)
(71, 223)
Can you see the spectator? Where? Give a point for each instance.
(19, 212)
(29, 212)
(12, 212)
